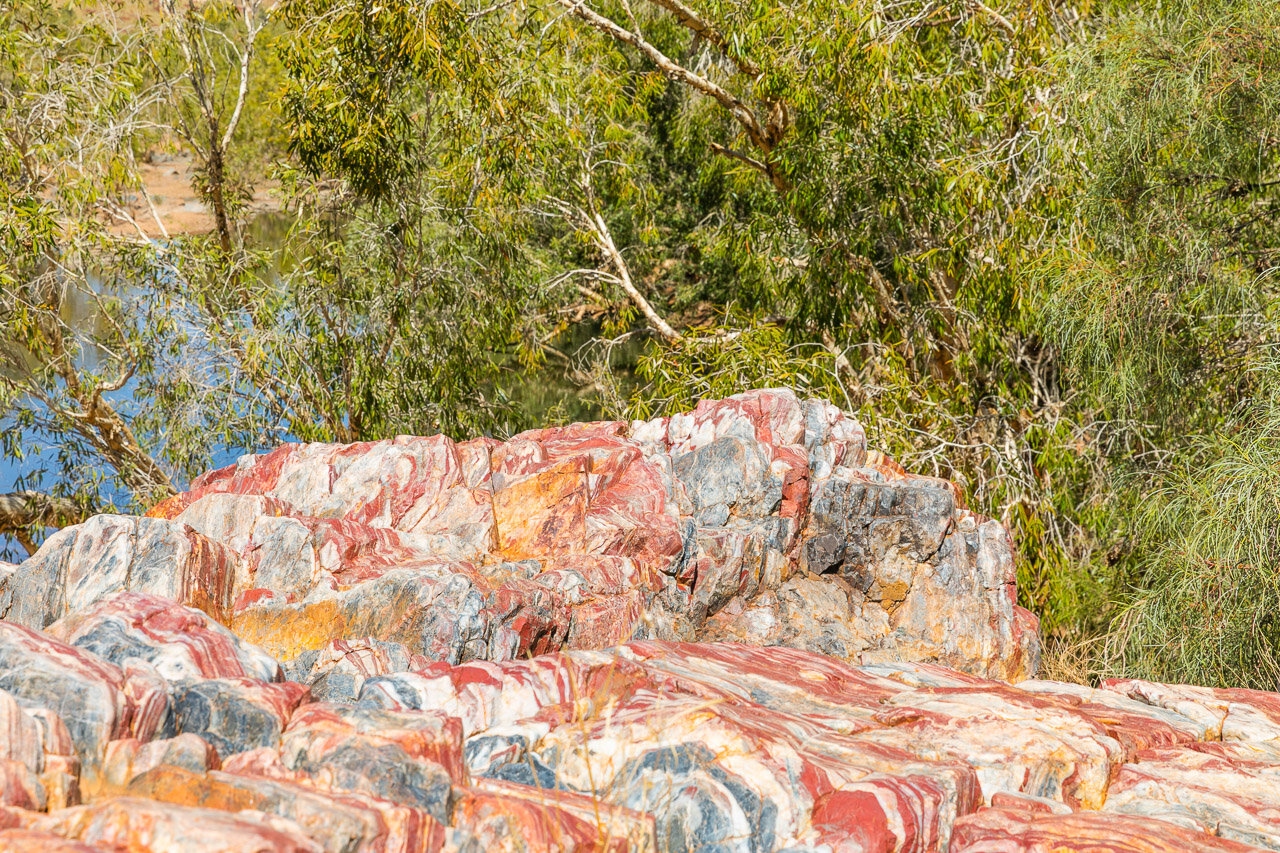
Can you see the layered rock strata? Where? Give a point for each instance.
(118, 735)
(418, 645)
(762, 518)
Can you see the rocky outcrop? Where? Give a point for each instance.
(731, 630)
(650, 745)
(761, 518)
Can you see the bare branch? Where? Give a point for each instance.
(740, 111)
(691, 21)
(253, 26)
(600, 231)
(20, 511)
(155, 214)
(995, 16)
(738, 155)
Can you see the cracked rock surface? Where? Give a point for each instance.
(734, 629)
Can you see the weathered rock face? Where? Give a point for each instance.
(761, 518)
(419, 645)
(646, 746)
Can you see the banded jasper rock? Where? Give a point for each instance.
(993, 830)
(649, 746)
(731, 629)
(180, 642)
(723, 523)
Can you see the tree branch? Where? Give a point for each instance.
(691, 21)
(1001, 20)
(98, 421)
(603, 239)
(738, 155)
(253, 28)
(740, 111)
(20, 511)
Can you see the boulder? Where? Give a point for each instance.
(1233, 787)
(335, 822)
(81, 565)
(89, 701)
(651, 745)
(760, 518)
(179, 642)
(339, 670)
(235, 714)
(128, 759)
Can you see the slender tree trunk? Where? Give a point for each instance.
(216, 171)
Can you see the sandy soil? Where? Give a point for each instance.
(168, 181)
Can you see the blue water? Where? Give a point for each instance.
(40, 467)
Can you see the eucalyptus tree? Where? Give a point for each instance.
(72, 97)
(134, 355)
(842, 197)
(85, 340)
(1164, 306)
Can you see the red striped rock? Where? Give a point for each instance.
(339, 670)
(432, 736)
(1055, 744)
(636, 727)
(413, 758)
(1232, 788)
(336, 822)
(488, 647)
(130, 758)
(41, 769)
(1173, 727)
(235, 714)
(1004, 830)
(35, 841)
(95, 701)
(789, 748)
(22, 738)
(664, 745)
(502, 816)
(701, 525)
(133, 823)
(81, 565)
(1227, 714)
(20, 787)
(180, 642)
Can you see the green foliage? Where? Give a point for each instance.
(1168, 290)
(135, 364)
(838, 197)
(1205, 612)
(72, 95)
(361, 75)
(1163, 308)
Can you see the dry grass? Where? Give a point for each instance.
(1072, 660)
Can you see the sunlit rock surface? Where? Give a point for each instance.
(730, 630)
(762, 518)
